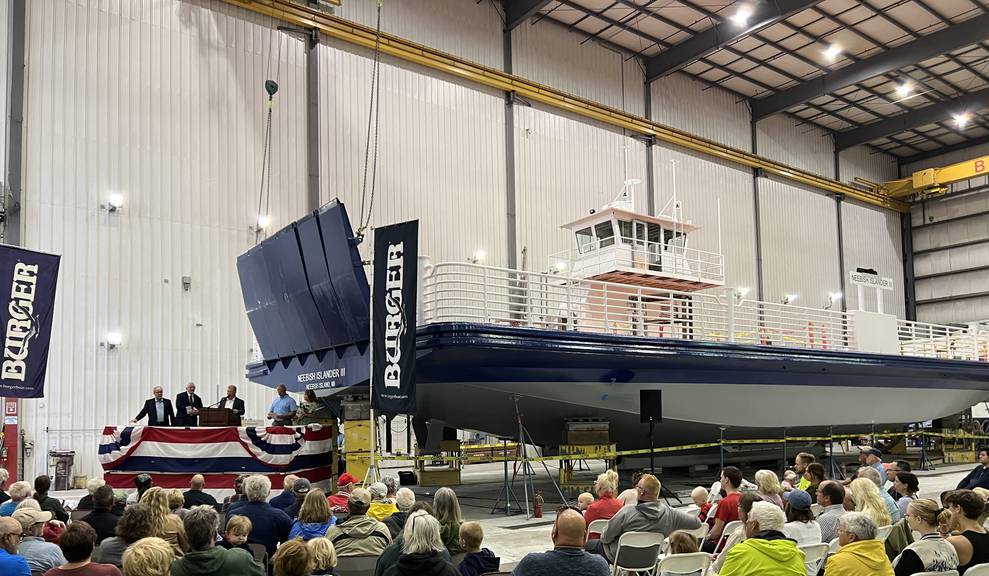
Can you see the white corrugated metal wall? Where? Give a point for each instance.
(161, 101)
(4, 81)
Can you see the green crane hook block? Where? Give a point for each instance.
(271, 87)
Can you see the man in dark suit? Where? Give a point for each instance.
(232, 402)
(187, 406)
(157, 409)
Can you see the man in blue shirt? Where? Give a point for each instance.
(980, 475)
(10, 538)
(282, 408)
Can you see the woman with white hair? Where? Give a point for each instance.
(92, 485)
(18, 492)
(769, 487)
(421, 549)
(606, 506)
(381, 506)
(447, 508)
(766, 549)
(4, 476)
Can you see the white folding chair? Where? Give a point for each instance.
(814, 555)
(948, 573)
(817, 509)
(597, 526)
(728, 531)
(637, 552)
(882, 533)
(356, 565)
(700, 533)
(834, 546)
(978, 570)
(684, 563)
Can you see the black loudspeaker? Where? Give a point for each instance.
(650, 406)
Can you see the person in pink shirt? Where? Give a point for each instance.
(607, 505)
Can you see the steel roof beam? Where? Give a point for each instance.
(914, 119)
(701, 44)
(518, 11)
(943, 150)
(970, 31)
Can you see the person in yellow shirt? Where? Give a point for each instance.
(800, 464)
(860, 554)
(381, 506)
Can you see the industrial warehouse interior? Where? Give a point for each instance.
(465, 287)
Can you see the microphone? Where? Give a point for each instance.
(220, 401)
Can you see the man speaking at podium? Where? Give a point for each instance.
(232, 402)
(187, 406)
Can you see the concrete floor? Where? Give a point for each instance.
(512, 537)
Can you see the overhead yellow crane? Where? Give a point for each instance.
(930, 181)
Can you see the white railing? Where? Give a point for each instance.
(938, 341)
(609, 254)
(456, 292)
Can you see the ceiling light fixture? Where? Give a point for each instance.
(961, 120)
(741, 18)
(832, 52)
(903, 90)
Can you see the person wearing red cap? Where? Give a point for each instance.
(345, 486)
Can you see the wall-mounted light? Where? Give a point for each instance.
(478, 256)
(833, 298)
(114, 202)
(263, 221)
(742, 292)
(113, 340)
(788, 298)
(560, 267)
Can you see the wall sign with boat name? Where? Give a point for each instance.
(26, 319)
(393, 311)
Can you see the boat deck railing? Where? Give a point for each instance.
(604, 255)
(464, 292)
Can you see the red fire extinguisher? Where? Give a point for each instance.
(537, 507)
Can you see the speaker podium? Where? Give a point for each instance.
(218, 417)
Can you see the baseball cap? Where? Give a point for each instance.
(346, 478)
(871, 450)
(301, 486)
(361, 495)
(29, 517)
(799, 500)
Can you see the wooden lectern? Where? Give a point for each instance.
(218, 417)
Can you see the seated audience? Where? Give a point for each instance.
(584, 499)
(932, 553)
(968, 537)
(830, 497)
(18, 492)
(293, 559)
(731, 482)
(629, 495)
(176, 503)
(141, 482)
(477, 560)
(891, 470)
(41, 486)
(404, 499)
(149, 557)
(167, 526)
(874, 460)
(800, 463)
(682, 543)
(359, 534)
(422, 549)
(77, 544)
(4, 476)
(270, 526)
(345, 486)
(699, 496)
(649, 515)
(868, 501)
(391, 483)
(765, 549)
(744, 507)
(815, 474)
(906, 485)
(237, 498)
(389, 556)
(195, 496)
(447, 508)
(315, 517)
(10, 540)
(860, 553)
(877, 479)
(205, 558)
(300, 490)
(381, 506)
(606, 505)
(567, 558)
(103, 521)
(135, 524)
(236, 534)
(286, 497)
(769, 487)
(800, 524)
(86, 502)
(52, 530)
(790, 480)
(40, 555)
(324, 556)
(979, 476)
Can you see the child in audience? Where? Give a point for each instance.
(324, 556)
(682, 543)
(235, 536)
(790, 480)
(477, 560)
(700, 496)
(584, 500)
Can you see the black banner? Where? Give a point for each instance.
(27, 282)
(393, 309)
